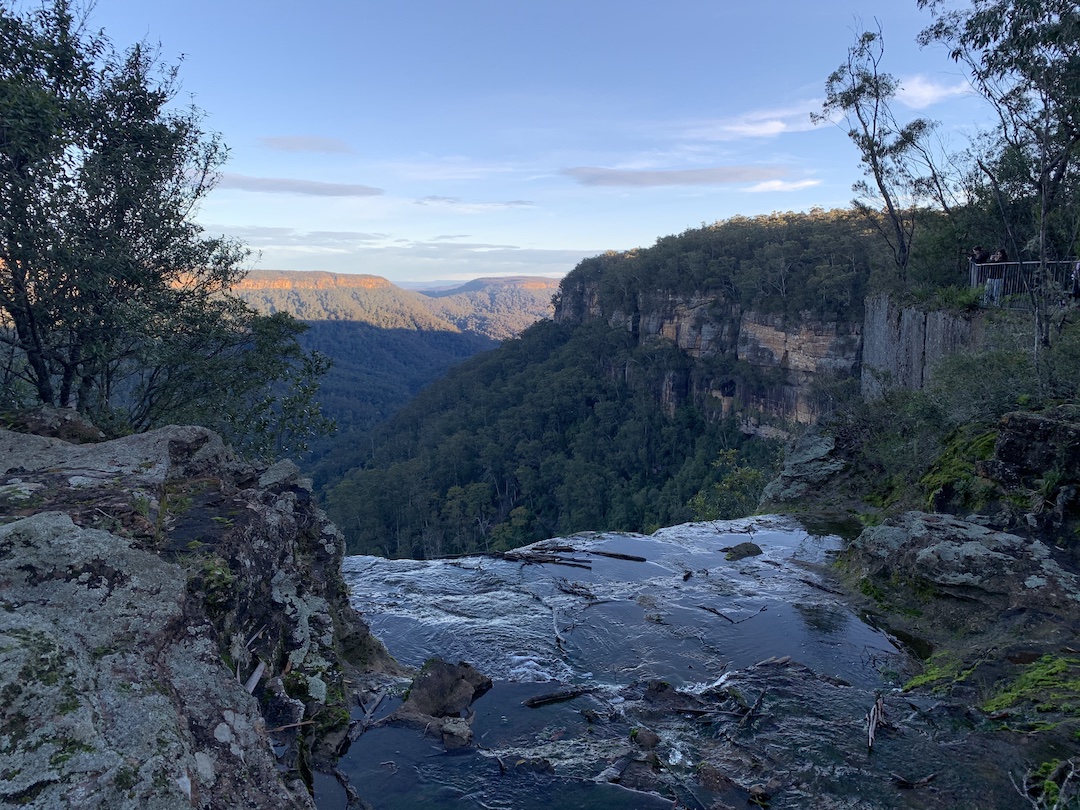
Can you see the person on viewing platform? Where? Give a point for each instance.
(980, 255)
(996, 278)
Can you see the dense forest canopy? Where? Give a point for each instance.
(544, 436)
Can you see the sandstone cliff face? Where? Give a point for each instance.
(148, 585)
(901, 344)
(804, 351)
(706, 325)
(894, 345)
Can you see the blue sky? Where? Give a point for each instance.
(425, 139)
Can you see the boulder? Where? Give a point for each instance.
(967, 560)
(439, 701)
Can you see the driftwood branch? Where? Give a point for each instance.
(290, 725)
(873, 717)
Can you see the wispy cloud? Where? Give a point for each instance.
(722, 175)
(458, 204)
(764, 123)
(263, 236)
(306, 143)
(919, 92)
(783, 185)
(285, 185)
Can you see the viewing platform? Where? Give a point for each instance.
(1009, 284)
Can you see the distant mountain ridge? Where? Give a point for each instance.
(496, 308)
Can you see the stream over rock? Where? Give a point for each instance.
(636, 672)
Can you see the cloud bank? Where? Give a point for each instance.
(783, 185)
(764, 123)
(458, 204)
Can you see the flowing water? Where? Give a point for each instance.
(754, 675)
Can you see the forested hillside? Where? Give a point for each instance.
(385, 343)
(496, 308)
(546, 435)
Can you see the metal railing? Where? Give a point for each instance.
(1009, 284)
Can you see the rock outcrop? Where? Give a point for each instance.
(901, 344)
(174, 629)
(705, 325)
(439, 701)
(980, 604)
(967, 561)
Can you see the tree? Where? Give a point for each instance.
(860, 93)
(112, 298)
(1023, 57)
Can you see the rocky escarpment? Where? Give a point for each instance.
(174, 629)
(901, 344)
(782, 357)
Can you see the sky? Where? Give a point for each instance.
(424, 140)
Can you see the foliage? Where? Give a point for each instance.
(860, 92)
(1023, 57)
(1051, 683)
(737, 492)
(819, 264)
(953, 473)
(112, 299)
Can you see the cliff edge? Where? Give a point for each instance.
(174, 628)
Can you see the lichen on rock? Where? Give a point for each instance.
(146, 580)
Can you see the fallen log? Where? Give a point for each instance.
(556, 697)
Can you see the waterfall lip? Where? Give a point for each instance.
(667, 605)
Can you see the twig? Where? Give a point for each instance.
(749, 715)
(716, 612)
(908, 784)
(290, 725)
(615, 555)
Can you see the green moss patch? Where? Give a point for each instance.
(940, 672)
(952, 475)
(1051, 684)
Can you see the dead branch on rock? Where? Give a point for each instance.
(909, 784)
(716, 612)
(615, 555)
(253, 681)
(358, 727)
(574, 588)
(290, 725)
(820, 587)
(557, 697)
(749, 716)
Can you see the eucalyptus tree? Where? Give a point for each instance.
(894, 155)
(113, 299)
(1023, 57)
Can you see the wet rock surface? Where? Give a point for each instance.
(174, 629)
(663, 673)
